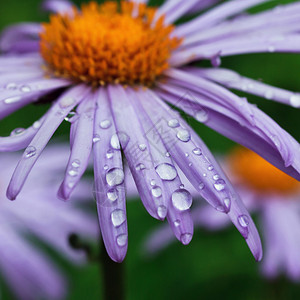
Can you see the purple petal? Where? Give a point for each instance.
(55, 116)
(109, 182)
(57, 6)
(202, 170)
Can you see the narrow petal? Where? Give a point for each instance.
(202, 170)
(216, 15)
(109, 181)
(233, 80)
(81, 146)
(256, 121)
(56, 115)
(57, 6)
(20, 138)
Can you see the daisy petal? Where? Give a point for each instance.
(81, 146)
(109, 182)
(54, 118)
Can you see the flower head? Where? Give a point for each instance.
(30, 273)
(114, 83)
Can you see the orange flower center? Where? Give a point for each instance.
(106, 43)
(257, 173)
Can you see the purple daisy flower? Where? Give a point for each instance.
(30, 273)
(114, 84)
(266, 191)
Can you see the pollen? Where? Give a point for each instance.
(252, 170)
(108, 43)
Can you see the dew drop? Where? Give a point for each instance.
(122, 240)
(201, 186)
(190, 165)
(166, 171)
(105, 167)
(66, 102)
(186, 238)
(210, 168)
(220, 208)
(183, 135)
(112, 194)
(114, 177)
(227, 203)
(36, 124)
(182, 199)
(118, 217)
(173, 123)
(177, 223)
(219, 185)
(25, 89)
(142, 147)
(168, 154)
(295, 100)
(216, 177)
(140, 167)
(11, 100)
(243, 220)
(153, 183)
(181, 186)
(162, 211)
(17, 131)
(114, 142)
(156, 191)
(30, 152)
(201, 116)
(105, 124)
(96, 138)
(204, 174)
(197, 151)
(186, 154)
(71, 117)
(110, 153)
(76, 163)
(73, 172)
(11, 86)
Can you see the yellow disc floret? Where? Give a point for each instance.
(106, 43)
(252, 170)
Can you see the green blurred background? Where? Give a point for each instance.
(213, 265)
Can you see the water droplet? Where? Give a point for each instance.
(30, 152)
(186, 238)
(210, 168)
(118, 217)
(110, 153)
(115, 176)
(190, 164)
(123, 138)
(227, 203)
(114, 142)
(122, 240)
(11, 86)
(73, 172)
(295, 100)
(201, 186)
(183, 135)
(17, 131)
(177, 223)
(156, 191)
(25, 89)
(11, 100)
(36, 124)
(71, 185)
(112, 194)
(219, 185)
(181, 186)
(66, 102)
(166, 171)
(173, 123)
(220, 208)
(201, 116)
(182, 199)
(76, 163)
(168, 154)
(105, 167)
(204, 174)
(186, 154)
(142, 147)
(162, 211)
(269, 94)
(140, 167)
(197, 151)
(96, 138)
(153, 183)
(71, 117)
(243, 220)
(216, 177)
(105, 124)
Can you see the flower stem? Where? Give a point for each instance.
(113, 277)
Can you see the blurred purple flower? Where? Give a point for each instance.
(265, 191)
(137, 120)
(30, 273)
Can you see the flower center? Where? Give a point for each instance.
(106, 43)
(257, 173)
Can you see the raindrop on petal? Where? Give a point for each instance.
(183, 135)
(122, 240)
(243, 220)
(182, 199)
(118, 217)
(30, 152)
(114, 177)
(166, 171)
(219, 185)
